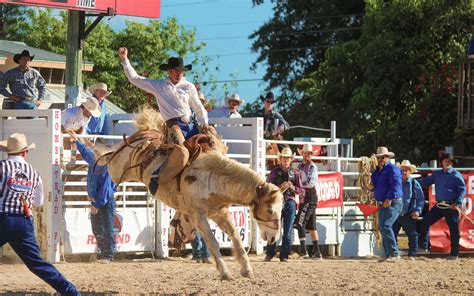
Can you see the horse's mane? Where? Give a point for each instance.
(148, 119)
(232, 169)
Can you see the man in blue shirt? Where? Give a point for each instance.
(387, 187)
(274, 123)
(99, 125)
(413, 201)
(100, 189)
(450, 189)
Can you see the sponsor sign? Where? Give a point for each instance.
(329, 189)
(439, 232)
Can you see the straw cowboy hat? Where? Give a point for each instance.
(93, 106)
(203, 99)
(286, 152)
(175, 63)
(306, 148)
(234, 97)
(25, 53)
(406, 164)
(101, 86)
(15, 144)
(383, 151)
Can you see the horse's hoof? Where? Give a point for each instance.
(247, 274)
(226, 277)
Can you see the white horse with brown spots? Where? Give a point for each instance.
(205, 189)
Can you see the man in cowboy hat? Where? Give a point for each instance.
(176, 97)
(98, 125)
(27, 86)
(387, 186)
(306, 217)
(76, 118)
(22, 189)
(289, 181)
(230, 111)
(413, 202)
(450, 191)
(274, 122)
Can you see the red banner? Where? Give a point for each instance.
(439, 232)
(329, 190)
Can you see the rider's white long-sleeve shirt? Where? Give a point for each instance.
(174, 101)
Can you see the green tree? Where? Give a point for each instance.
(10, 17)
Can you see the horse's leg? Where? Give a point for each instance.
(201, 223)
(224, 222)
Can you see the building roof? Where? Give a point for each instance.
(8, 47)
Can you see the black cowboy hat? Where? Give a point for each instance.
(24, 53)
(269, 97)
(450, 157)
(176, 63)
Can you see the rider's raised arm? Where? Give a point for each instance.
(132, 75)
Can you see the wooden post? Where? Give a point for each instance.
(73, 57)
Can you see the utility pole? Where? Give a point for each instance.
(75, 25)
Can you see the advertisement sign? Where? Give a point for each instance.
(329, 189)
(439, 232)
(142, 8)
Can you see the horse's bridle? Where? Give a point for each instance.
(255, 204)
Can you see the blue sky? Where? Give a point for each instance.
(215, 22)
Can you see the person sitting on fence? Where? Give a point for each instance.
(274, 123)
(100, 190)
(289, 181)
(450, 191)
(27, 86)
(76, 118)
(99, 125)
(306, 217)
(16, 221)
(413, 202)
(229, 111)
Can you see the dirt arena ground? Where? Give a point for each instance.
(298, 276)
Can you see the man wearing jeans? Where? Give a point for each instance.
(450, 190)
(289, 181)
(387, 186)
(413, 201)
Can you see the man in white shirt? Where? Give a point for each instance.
(176, 97)
(76, 118)
(230, 111)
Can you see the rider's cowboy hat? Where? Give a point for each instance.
(286, 152)
(24, 53)
(406, 164)
(93, 106)
(203, 99)
(101, 86)
(15, 144)
(176, 63)
(306, 148)
(270, 97)
(450, 157)
(234, 97)
(383, 151)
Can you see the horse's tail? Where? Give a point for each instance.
(148, 119)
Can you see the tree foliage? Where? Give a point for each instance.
(395, 83)
(10, 17)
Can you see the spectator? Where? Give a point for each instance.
(205, 102)
(274, 123)
(289, 181)
(387, 186)
(16, 223)
(199, 249)
(100, 189)
(27, 86)
(413, 202)
(99, 125)
(176, 97)
(76, 119)
(450, 191)
(306, 218)
(229, 111)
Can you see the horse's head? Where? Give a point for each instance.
(266, 209)
(216, 140)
